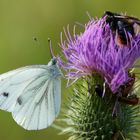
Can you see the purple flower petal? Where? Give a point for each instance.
(96, 50)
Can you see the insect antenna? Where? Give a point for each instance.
(50, 45)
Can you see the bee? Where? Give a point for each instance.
(125, 90)
(123, 94)
(122, 25)
(132, 100)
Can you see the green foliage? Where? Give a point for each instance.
(89, 117)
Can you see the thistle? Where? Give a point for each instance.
(104, 104)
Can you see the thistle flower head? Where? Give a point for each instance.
(96, 50)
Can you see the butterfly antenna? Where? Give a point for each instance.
(50, 45)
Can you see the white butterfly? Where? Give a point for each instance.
(32, 94)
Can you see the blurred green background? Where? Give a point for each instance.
(23, 20)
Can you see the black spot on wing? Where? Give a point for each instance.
(19, 101)
(5, 94)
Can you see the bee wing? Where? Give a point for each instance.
(136, 24)
(129, 18)
(136, 29)
(32, 94)
(134, 21)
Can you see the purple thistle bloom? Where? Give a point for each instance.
(96, 51)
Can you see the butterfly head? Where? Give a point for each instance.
(54, 68)
(52, 62)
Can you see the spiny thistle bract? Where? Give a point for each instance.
(105, 104)
(86, 116)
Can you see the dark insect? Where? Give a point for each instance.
(99, 90)
(122, 25)
(35, 39)
(132, 100)
(5, 94)
(125, 90)
(123, 93)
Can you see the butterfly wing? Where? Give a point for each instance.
(39, 105)
(13, 83)
(32, 94)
